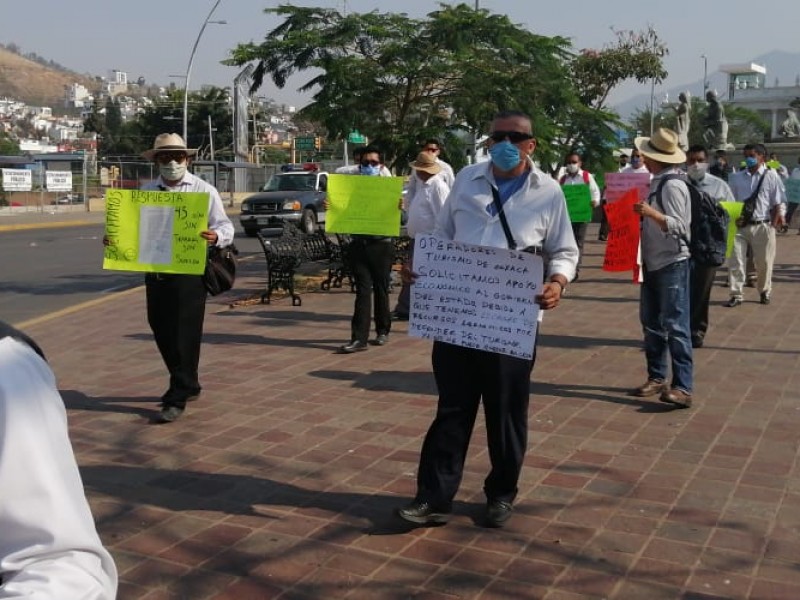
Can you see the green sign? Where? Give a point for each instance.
(356, 138)
(305, 142)
(734, 210)
(579, 202)
(157, 232)
(367, 205)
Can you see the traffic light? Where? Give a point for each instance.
(318, 142)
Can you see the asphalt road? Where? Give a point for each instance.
(47, 270)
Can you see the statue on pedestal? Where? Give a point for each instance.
(791, 125)
(716, 125)
(683, 119)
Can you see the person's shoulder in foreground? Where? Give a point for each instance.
(49, 547)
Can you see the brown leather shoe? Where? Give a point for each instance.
(651, 388)
(677, 397)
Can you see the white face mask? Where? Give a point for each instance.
(697, 171)
(172, 171)
(572, 168)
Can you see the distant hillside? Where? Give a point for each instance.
(34, 83)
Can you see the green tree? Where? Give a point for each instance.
(166, 116)
(588, 125)
(399, 80)
(8, 146)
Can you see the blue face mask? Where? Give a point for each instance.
(750, 161)
(370, 170)
(505, 155)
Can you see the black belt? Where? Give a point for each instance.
(759, 222)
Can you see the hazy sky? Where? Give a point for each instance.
(154, 38)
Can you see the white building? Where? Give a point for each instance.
(76, 96)
(747, 88)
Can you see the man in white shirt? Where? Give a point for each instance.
(49, 547)
(423, 207)
(535, 213)
(637, 165)
(575, 175)
(434, 148)
(757, 230)
(176, 304)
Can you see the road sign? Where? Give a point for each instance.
(356, 138)
(306, 142)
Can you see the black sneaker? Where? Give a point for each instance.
(733, 302)
(397, 316)
(764, 298)
(382, 339)
(497, 513)
(422, 513)
(170, 414)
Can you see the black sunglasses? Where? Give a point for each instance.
(370, 163)
(515, 137)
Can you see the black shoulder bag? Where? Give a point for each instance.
(750, 205)
(220, 270)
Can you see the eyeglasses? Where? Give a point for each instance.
(431, 149)
(166, 157)
(515, 137)
(370, 163)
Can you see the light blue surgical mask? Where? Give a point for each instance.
(172, 171)
(505, 155)
(370, 170)
(750, 161)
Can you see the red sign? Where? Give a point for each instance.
(622, 248)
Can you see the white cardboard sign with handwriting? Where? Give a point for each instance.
(475, 296)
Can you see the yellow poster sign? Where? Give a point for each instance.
(157, 232)
(734, 210)
(363, 204)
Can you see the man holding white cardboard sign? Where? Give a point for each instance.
(493, 208)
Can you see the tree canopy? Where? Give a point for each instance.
(400, 80)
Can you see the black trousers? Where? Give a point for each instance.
(464, 377)
(176, 306)
(371, 262)
(701, 282)
(579, 231)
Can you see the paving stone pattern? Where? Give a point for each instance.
(281, 480)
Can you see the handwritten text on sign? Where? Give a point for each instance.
(624, 232)
(157, 232)
(619, 183)
(475, 296)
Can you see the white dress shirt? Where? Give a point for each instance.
(49, 548)
(772, 193)
(715, 187)
(218, 221)
(630, 169)
(425, 204)
(536, 214)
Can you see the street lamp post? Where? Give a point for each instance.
(189, 70)
(705, 74)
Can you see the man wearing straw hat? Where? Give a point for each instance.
(431, 191)
(176, 303)
(665, 304)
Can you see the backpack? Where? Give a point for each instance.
(585, 177)
(709, 230)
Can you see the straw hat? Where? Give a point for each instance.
(426, 162)
(661, 147)
(168, 142)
